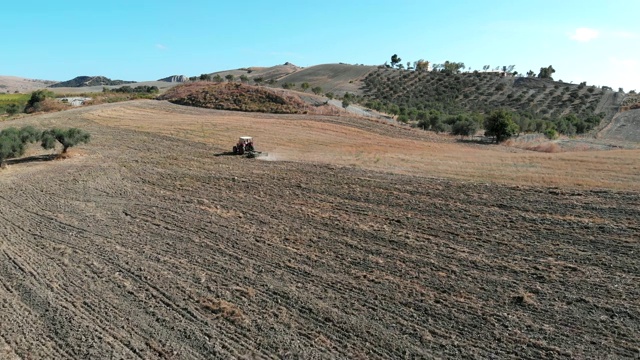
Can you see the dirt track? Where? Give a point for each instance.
(150, 246)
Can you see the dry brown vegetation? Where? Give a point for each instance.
(366, 240)
(238, 97)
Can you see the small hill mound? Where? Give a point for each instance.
(85, 81)
(336, 78)
(235, 96)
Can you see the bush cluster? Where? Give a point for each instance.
(142, 89)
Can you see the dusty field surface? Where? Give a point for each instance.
(147, 244)
(375, 145)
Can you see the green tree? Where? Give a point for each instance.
(501, 125)
(345, 103)
(317, 90)
(205, 77)
(36, 99)
(230, 77)
(452, 67)
(305, 86)
(464, 127)
(395, 60)
(68, 138)
(545, 73)
(13, 142)
(288, 85)
(244, 78)
(330, 95)
(258, 80)
(217, 78)
(421, 65)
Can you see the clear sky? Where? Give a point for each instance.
(597, 41)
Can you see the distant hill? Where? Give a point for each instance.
(85, 81)
(11, 84)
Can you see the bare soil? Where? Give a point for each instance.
(151, 243)
(624, 127)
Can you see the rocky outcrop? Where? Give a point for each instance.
(175, 79)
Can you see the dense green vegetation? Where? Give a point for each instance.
(142, 89)
(448, 100)
(13, 103)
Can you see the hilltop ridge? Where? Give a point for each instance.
(86, 81)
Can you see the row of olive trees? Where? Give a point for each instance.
(14, 141)
(499, 124)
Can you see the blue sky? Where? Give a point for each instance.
(588, 40)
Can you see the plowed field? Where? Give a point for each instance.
(361, 240)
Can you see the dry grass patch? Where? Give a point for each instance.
(224, 309)
(547, 147)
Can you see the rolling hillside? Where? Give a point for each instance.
(336, 78)
(11, 84)
(478, 91)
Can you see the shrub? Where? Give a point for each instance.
(37, 98)
(551, 134)
(13, 109)
(464, 127)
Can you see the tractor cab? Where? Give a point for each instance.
(245, 144)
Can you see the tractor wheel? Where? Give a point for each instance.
(249, 147)
(240, 150)
(235, 150)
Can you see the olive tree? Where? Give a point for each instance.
(68, 138)
(13, 141)
(501, 125)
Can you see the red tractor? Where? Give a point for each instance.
(244, 145)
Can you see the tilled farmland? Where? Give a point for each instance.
(149, 246)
